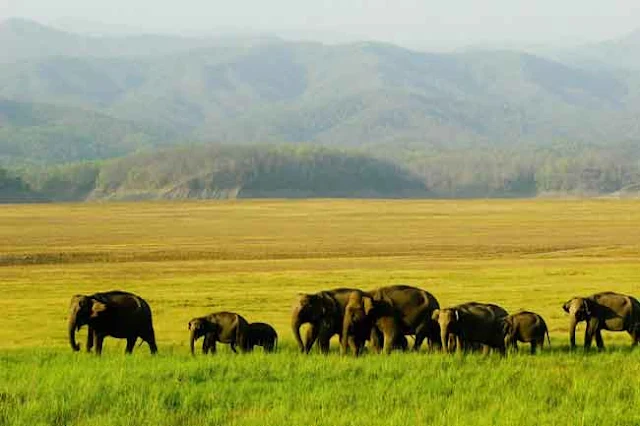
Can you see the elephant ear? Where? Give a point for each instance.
(97, 308)
(329, 305)
(435, 315)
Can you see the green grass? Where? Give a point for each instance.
(49, 387)
(189, 259)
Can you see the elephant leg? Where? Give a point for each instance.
(353, 345)
(534, 345)
(588, 335)
(421, 334)
(599, 341)
(90, 337)
(460, 346)
(376, 340)
(324, 343)
(311, 337)
(233, 347)
(99, 341)
(131, 343)
(150, 338)
(152, 345)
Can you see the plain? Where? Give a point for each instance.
(253, 257)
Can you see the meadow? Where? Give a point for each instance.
(191, 258)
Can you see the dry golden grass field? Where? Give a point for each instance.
(191, 258)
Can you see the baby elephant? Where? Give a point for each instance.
(527, 327)
(223, 327)
(261, 334)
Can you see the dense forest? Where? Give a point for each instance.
(164, 117)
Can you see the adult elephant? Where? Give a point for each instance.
(114, 313)
(414, 307)
(471, 324)
(324, 312)
(603, 311)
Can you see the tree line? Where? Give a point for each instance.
(214, 171)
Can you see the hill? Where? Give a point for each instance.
(362, 94)
(621, 53)
(213, 171)
(41, 133)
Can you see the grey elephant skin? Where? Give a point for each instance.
(261, 334)
(414, 307)
(526, 327)
(472, 324)
(365, 317)
(224, 327)
(603, 311)
(324, 312)
(114, 313)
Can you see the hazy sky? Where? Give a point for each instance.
(456, 22)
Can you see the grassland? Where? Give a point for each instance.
(191, 258)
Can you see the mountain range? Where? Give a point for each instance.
(68, 97)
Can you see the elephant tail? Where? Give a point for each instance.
(548, 339)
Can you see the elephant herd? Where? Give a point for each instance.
(383, 318)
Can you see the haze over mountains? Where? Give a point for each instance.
(66, 98)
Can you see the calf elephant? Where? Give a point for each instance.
(603, 311)
(223, 327)
(324, 312)
(356, 325)
(527, 327)
(387, 326)
(365, 317)
(261, 334)
(414, 307)
(472, 323)
(114, 313)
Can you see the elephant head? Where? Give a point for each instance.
(318, 308)
(82, 310)
(448, 319)
(199, 327)
(579, 309)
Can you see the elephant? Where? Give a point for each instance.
(527, 327)
(114, 313)
(365, 317)
(603, 311)
(223, 327)
(472, 323)
(387, 326)
(414, 307)
(261, 334)
(356, 325)
(324, 312)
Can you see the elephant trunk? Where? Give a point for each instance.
(72, 332)
(572, 331)
(192, 341)
(296, 322)
(444, 336)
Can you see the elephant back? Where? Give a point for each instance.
(486, 312)
(412, 304)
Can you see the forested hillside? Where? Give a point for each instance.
(474, 123)
(212, 171)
